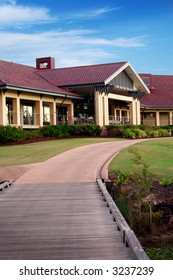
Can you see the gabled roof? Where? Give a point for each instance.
(161, 88)
(99, 74)
(81, 75)
(24, 77)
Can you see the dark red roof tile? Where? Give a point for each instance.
(81, 75)
(161, 91)
(24, 76)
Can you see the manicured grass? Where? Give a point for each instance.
(157, 153)
(41, 151)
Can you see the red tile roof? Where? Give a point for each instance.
(13, 74)
(81, 75)
(161, 91)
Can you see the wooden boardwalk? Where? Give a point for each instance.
(58, 221)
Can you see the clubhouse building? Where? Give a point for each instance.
(113, 93)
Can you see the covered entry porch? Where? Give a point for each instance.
(29, 110)
(111, 92)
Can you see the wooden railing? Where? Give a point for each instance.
(119, 120)
(5, 184)
(128, 236)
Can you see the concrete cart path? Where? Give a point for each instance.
(77, 165)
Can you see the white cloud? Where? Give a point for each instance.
(88, 14)
(73, 47)
(11, 2)
(12, 14)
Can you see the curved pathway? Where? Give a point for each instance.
(56, 211)
(76, 165)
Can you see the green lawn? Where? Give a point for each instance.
(41, 151)
(157, 153)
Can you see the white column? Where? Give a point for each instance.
(16, 110)
(70, 113)
(38, 118)
(138, 116)
(170, 118)
(41, 112)
(98, 108)
(3, 112)
(54, 113)
(157, 118)
(105, 109)
(132, 107)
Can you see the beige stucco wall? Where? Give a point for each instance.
(102, 107)
(38, 100)
(157, 117)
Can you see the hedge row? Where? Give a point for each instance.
(138, 131)
(13, 134)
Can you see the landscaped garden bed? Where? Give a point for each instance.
(9, 134)
(144, 197)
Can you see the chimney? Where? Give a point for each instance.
(45, 63)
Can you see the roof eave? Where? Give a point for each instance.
(39, 91)
(155, 107)
(82, 85)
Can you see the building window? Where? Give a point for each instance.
(46, 114)
(28, 114)
(43, 65)
(146, 80)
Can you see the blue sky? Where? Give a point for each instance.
(80, 32)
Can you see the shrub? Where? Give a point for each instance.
(114, 130)
(122, 178)
(163, 132)
(92, 130)
(152, 133)
(165, 182)
(55, 131)
(84, 130)
(139, 133)
(12, 134)
(35, 133)
(128, 133)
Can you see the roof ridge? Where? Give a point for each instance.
(81, 66)
(158, 75)
(16, 63)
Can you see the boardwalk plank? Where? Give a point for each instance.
(58, 221)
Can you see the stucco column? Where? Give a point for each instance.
(98, 108)
(38, 117)
(70, 108)
(54, 112)
(105, 110)
(16, 110)
(170, 118)
(138, 117)
(3, 112)
(157, 118)
(132, 107)
(128, 116)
